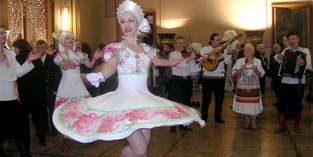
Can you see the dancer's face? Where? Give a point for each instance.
(69, 42)
(129, 24)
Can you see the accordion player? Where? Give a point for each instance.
(289, 66)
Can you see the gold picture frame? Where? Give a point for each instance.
(297, 16)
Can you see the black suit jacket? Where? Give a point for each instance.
(31, 85)
(52, 75)
(41, 81)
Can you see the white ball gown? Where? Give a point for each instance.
(117, 114)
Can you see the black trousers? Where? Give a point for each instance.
(291, 95)
(208, 87)
(15, 123)
(262, 85)
(50, 101)
(276, 87)
(302, 88)
(10, 118)
(181, 90)
(39, 114)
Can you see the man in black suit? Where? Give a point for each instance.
(52, 76)
(32, 93)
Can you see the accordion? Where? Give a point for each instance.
(289, 65)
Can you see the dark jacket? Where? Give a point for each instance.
(52, 75)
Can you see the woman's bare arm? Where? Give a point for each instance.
(108, 68)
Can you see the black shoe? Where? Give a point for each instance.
(42, 141)
(173, 129)
(193, 104)
(53, 131)
(184, 128)
(24, 150)
(308, 98)
(219, 120)
(28, 154)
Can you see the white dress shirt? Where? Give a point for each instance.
(292, 80)
(194, 66)
(220, 70)
(181, 69)
(9, 74)
(43, 58)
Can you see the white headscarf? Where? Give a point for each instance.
(61, 38)
(132, 7)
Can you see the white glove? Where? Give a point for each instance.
(95, 78)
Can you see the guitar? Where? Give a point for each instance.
(218, 52)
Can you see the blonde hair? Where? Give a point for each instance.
(196, 47)
(60, 37)
(250, 46)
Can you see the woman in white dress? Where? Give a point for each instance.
(195, 74)
(130, 111)
(247, 99)
(71, 87)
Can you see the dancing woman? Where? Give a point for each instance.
(130, 111)
(71, 87)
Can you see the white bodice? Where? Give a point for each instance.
(133, 82)
(129, 61)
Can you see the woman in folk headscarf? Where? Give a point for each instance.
(195, 74)
(247, 100)
(130, 111)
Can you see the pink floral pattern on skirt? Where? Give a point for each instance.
(89, 122)
(61, 100)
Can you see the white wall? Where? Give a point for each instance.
(194, 19)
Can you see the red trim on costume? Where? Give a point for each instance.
(248, 101)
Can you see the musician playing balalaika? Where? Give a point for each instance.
(295, 60)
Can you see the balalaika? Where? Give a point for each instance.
(289, 65)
